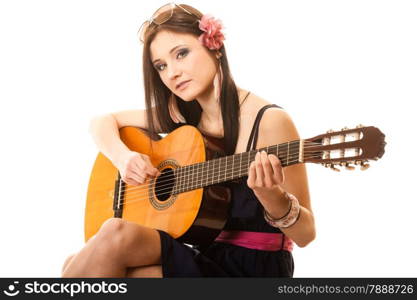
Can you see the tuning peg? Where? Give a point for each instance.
(364, 166)
(330, 131)
(347, 166)
(334, 168)
(360, 126)
(345, 128)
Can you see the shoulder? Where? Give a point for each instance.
(276, 125)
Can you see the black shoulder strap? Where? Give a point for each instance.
(253, 138)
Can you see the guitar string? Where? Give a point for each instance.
(139, 198)
(282, 152)
(213, 174)
(218, 168)
(145, 187)
(306, 143)
(197, 167)
(192, 169)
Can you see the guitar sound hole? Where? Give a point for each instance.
(164, 184)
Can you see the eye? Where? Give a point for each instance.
(160, 67)
(182, 53)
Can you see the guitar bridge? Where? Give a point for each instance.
(118, 197)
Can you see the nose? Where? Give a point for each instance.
(173, 71)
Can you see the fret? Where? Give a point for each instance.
(225, 170)
(197, 176)
(202, 174)
(218, 176)
(180, 176)
(278, 152)
(187, 183)
(211, 172)
(191, 185)
(187, 175)
(206, 178)
(240, 165)
(288, 152)
(233, 166)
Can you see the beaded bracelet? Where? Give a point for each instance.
(287, 220)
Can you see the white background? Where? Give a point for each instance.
(330, 64)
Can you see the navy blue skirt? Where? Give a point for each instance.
(222, 260)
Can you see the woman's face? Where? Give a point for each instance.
(179, 57)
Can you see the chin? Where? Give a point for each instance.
(188, 97)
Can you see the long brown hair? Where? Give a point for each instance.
(157, 94)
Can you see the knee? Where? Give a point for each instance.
(66, 262)
(111, 227)
(110, 234)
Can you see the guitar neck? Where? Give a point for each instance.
(232, 167)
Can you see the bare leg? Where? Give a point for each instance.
(154, 271)
(69, 258)
(117, 246)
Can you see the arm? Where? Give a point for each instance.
(104, 130)
(134, 167)
(276, 127)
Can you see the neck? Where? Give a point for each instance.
(211, 108)
(211, 113)
(230, 167)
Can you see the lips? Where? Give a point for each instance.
(181, 84)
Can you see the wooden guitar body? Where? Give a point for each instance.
(194, 217)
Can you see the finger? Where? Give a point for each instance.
(259, 170)
(267, 169)
(129, 181)
(251, 175)
(148, 167)
(141, 169)
(278, 170)
(135, 170)
(136, 179)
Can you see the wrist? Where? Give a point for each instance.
(279, 209)
(120, 157)
(287, 220)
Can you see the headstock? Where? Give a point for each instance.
(347, 148)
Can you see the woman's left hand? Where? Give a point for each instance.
(266, 177)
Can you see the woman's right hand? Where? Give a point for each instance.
(135, 168)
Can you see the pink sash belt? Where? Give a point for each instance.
(256, 240)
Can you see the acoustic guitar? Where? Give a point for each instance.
(189, 199)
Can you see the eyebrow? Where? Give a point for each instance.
(170, 51)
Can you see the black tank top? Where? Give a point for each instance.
(246, 212)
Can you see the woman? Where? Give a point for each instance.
(188, 81)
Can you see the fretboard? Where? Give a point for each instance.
(230, 167)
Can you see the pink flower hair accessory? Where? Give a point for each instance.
(212, 37)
